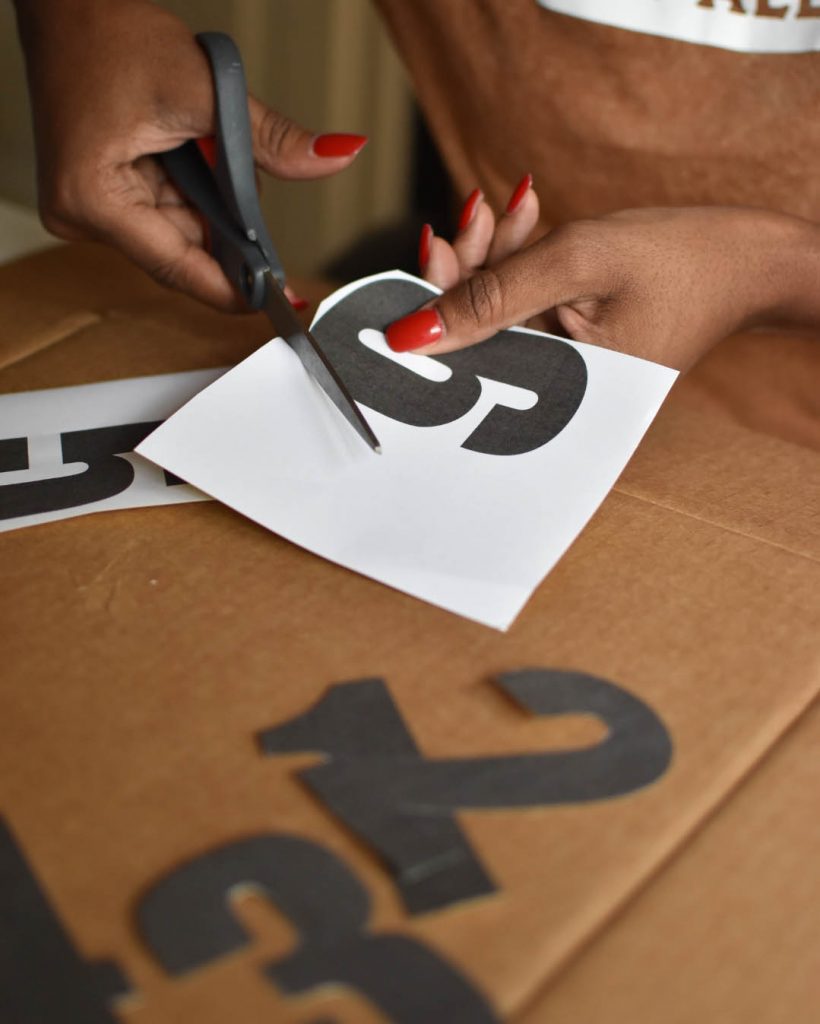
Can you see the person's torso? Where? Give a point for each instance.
(613, 117)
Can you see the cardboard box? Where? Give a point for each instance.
(730, 930)
(145, 651)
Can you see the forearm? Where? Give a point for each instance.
(55, 32)
(36, 18)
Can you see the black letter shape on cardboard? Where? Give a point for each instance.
(553, 369)
(402, 803)
(106, 475)
(43, 980)
(186, 920)
(360, 720)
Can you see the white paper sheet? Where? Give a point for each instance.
(51, 467)
(470, 532)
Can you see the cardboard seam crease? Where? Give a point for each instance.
(65, 328)
(757, 538)
(632, 895)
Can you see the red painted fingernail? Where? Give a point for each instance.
(207, 147)
(424, 246)
(299, 303)
(469, 208)
(521, 189)
(337, 144)
(414, 331)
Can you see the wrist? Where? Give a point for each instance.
(787, 289)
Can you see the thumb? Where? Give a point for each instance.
(285, 149)
(531, 281)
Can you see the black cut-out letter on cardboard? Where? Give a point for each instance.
(106, 474)
(43, 980)
(403, 804)
(186, 920)
(551, 368)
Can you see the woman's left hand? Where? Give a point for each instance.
(665, 284)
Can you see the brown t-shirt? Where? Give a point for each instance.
(608, 118)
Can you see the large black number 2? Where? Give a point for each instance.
(553, 369)
(403, 804)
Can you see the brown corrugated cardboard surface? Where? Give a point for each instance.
(143, 650)
(730, 932)
(742, 411)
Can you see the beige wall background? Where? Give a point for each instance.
(16, 147)
(327, 63)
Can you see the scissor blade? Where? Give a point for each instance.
(289, 327)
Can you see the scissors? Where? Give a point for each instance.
(226, 196)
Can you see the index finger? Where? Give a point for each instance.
(526, 283)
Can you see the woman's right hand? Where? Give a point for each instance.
(114, 81)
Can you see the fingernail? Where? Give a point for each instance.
(521, 189)
(337, 144)
(299, 303)
(207, 147)
(424, 246)
(423, 327)
(469, 208)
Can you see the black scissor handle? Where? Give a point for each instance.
(241, 261)
(235, 172)
(226, 195)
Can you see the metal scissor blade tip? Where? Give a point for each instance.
(314, 360)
